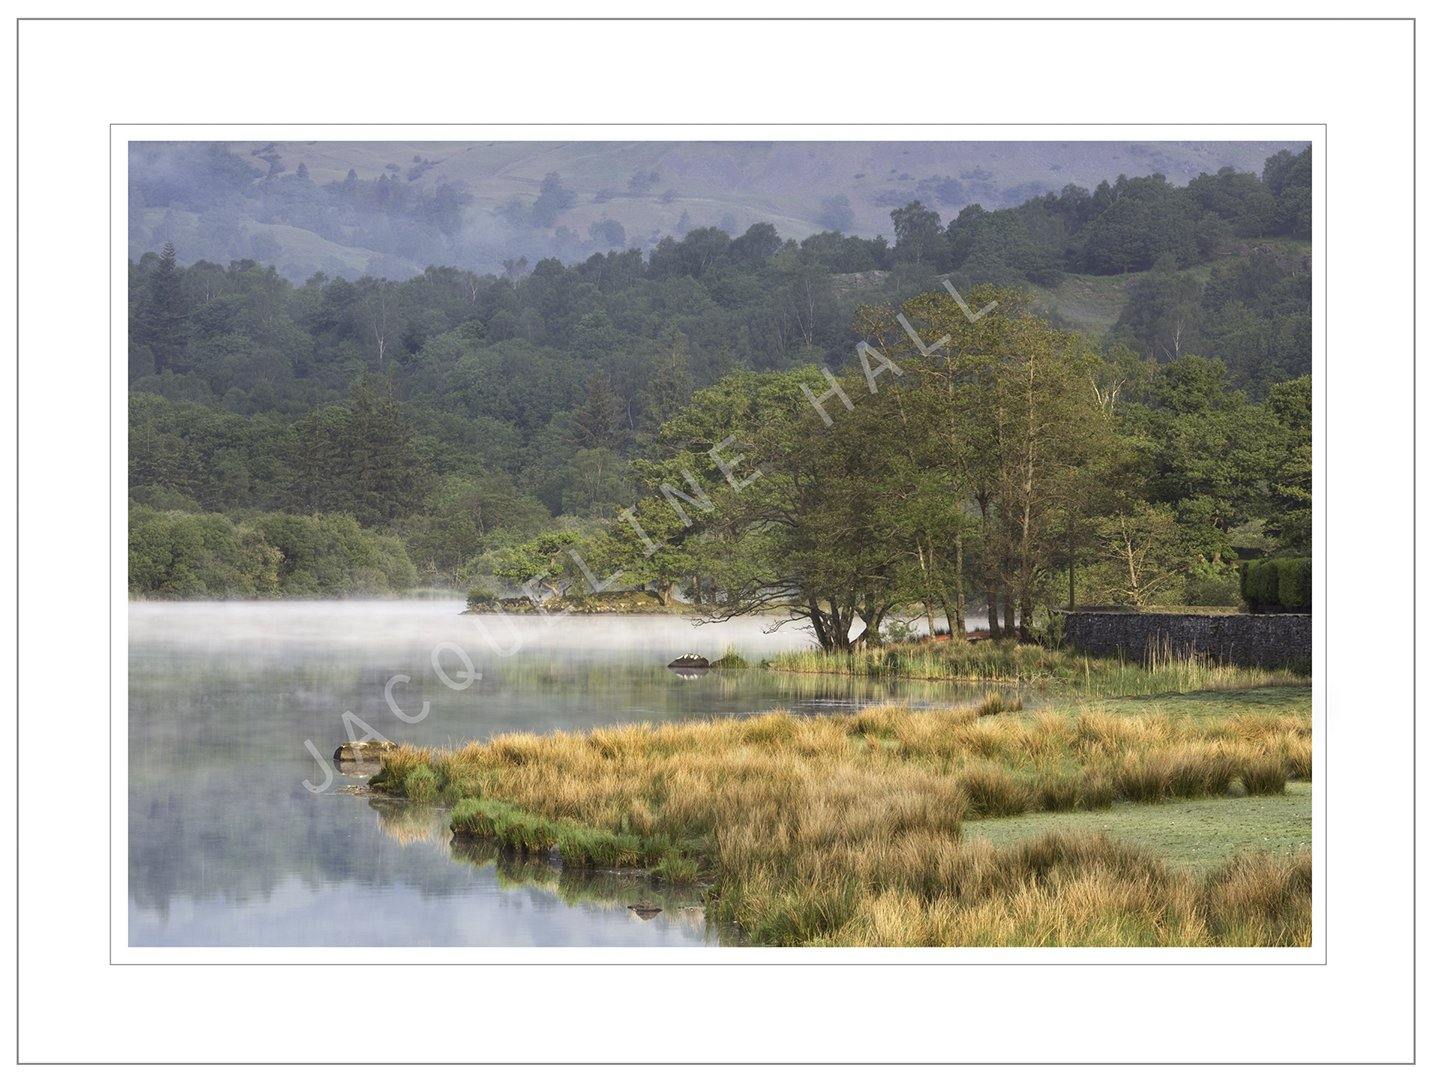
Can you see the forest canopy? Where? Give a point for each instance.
(353, 436)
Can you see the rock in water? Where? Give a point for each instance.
(689, 661)
(363, 751)
(645, 911)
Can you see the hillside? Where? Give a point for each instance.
(1092, 304)
(497, 204)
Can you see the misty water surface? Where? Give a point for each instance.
(229, 847)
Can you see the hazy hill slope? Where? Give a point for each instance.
(1092, 304)
(604, 194)
(764, 180)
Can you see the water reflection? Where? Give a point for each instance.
(228, 847)
(640, 898)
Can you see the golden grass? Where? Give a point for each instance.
(1078, 891)
(848, 828)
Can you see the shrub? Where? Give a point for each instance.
(1276, 585)
(1292, 584)
(1212, 585)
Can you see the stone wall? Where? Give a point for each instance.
(1274, 640)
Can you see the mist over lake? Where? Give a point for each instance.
(229, 847)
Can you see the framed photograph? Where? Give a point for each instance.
(547, 546)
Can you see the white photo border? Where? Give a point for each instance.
(1354, 76)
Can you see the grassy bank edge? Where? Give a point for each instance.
(821, 912)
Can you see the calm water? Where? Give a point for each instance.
(229, 846)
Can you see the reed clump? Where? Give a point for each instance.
(849, 828)
(1008, 661)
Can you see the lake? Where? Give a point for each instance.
(240, 836)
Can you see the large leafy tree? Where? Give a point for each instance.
(1205, 449)
(1289, 516)
(811, 537)
(1004, 424)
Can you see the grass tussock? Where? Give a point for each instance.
(730, 659)
(999, 703)
(849, 828)
(1008, 661)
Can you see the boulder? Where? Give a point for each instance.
(689, 661)
(363, 751)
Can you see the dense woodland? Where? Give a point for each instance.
(479, 431)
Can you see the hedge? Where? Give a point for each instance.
(1276, 585)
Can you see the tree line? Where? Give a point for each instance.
(490, 424)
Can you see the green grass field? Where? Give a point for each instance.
(1194, 835)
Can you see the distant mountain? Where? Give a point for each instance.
(392, 208)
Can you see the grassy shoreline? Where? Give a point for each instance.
(1005, 661)
(868, 828)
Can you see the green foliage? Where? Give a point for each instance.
(177, 554)
(478, 428)
(516, 829)
(545, 560)
(360, 457)
(1141, 220)
(465, 515)
(1212, 584)
(1218, 459)
(160, 314)
(174, 554)
(1252, 310)
(1288, 176)
(1276, 585)
(1288, 514)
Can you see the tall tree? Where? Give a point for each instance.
(1290, 517)
(668, 390)
(598, 420)
(917, 234)
(361, 458)
(160, 319)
